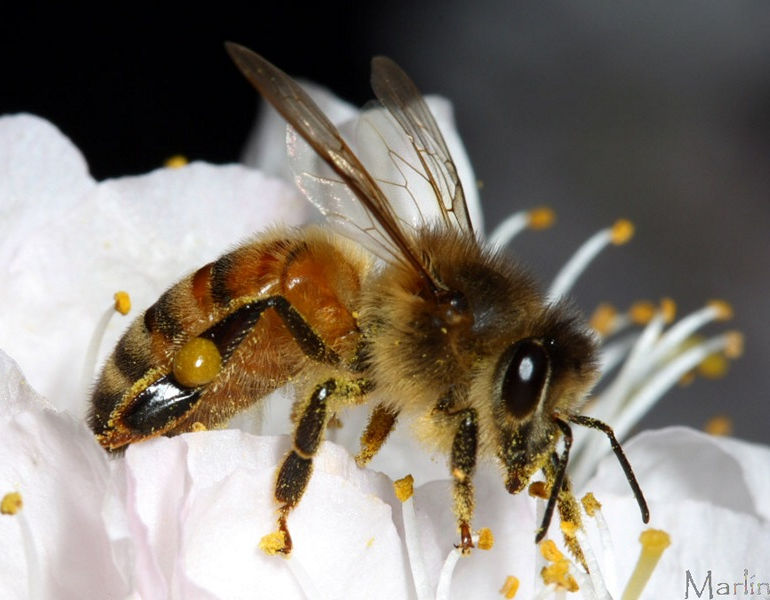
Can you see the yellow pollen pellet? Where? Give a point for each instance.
(720, 425)
(11, 503)
(622, 231)
(176, 161)
(486, 539)
(590, 504)
(668, 309)
(603, 318)
(404, 488)
(641, 312)
(541, 218)
(122, 302)
(198, 426)
(197, 362)
(723, 309)
(510, 587)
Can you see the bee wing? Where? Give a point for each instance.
(400, 96)
(301, 112)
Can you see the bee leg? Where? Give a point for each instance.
(294, 474)
(463, 463)
(562, 497)
(381, 423)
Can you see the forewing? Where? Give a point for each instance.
(306, 118)
(400, 96)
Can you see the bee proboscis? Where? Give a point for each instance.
(407, 306)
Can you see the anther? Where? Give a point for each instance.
(176, 161)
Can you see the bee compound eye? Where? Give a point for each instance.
(524, 378)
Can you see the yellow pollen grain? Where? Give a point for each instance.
(370, 542)
(486, 539)
(622, 231)
(510, 587)
(541, 217)
(723, 309)
(538, 489)
(604, 318)
(558, 574)
(550, 552)
(641, 312)
(668, 309)
(198, 427)
(272, 543)
(175, 162)
(11, 503)
(654, 542)
(122, 302)
(734, 345)
(719, 425)
(404, 488)
(590, 504)
(568, 528)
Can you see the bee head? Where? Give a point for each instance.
(537, 378)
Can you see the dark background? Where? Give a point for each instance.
(656, 111)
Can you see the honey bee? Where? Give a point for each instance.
(403, 304)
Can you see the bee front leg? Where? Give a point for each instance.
(463, 463)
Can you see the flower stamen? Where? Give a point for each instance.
(122, 305)
(654, 542)
(536, 218)
(618, 234)
(404, 490)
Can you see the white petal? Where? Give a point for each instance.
(62, 475)
(200, 503)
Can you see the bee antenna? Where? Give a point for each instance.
(558, 483)
(620, 455)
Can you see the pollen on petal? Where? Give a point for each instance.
(11, 503)
(404, 488)
(622, 231)
(510, 587)
(176, 161)
(122, 302)
(486, 539)
(198, 426)
(541, 217)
